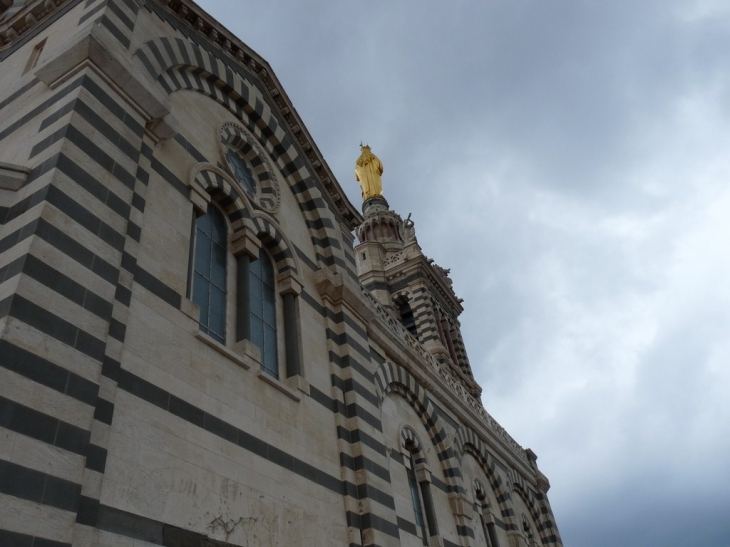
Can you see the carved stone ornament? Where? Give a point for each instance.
(22, 16)
(249, 164)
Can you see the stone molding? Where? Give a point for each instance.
(339, 289)
(12, 177)
(16, 25)
(98, 51)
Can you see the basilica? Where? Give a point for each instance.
(203, 342)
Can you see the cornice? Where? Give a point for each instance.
(452, 392)
(16, 25)
(198, 20)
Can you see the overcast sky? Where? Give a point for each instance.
(569, 160)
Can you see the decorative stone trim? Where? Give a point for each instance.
(171, 61)
(17, 22)
(202, 23)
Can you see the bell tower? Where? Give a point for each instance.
(416, 290)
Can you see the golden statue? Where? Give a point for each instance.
(368, 169)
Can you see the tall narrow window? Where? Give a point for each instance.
(35, 55)
(416, 499)
(407, 318)
(209, 278)
(263, 312)
(490, 533)
(485, 531)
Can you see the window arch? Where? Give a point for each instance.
(210, 271)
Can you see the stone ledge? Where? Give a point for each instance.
(286, 390)
(96, 47)
(298, 382)
(13, 177)
(340, 289)
(223, 350)
(191, 309)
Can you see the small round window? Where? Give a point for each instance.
(241, 171)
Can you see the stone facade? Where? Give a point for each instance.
(127, 417)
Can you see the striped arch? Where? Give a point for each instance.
(178, 64)
(392, 378)
(468, 442)
(267, 194)
(278, 245)
(548, 527)
(544, 525)
(212, 180)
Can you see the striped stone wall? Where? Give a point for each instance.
(120, 423)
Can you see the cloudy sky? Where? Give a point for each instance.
(569, 160)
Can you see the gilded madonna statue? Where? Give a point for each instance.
(368, 169)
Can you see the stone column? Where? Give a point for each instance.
(488, 519)
(424, 481)
(245, 248)
(290, 288)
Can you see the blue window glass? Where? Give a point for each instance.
(263, 312)
(209, 273)
(416, 500)
(241, 171)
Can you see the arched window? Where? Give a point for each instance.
(262, 301)
(407, 318)
(416, 498)
(264, 313)
(487, 524)
(526, 528)
(209, 276)
(419, 485)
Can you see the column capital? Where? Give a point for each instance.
(288, 283)
(422, 474)
(244, 242)
(200, 200)
(461, 506)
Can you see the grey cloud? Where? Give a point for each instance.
(568, 160)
